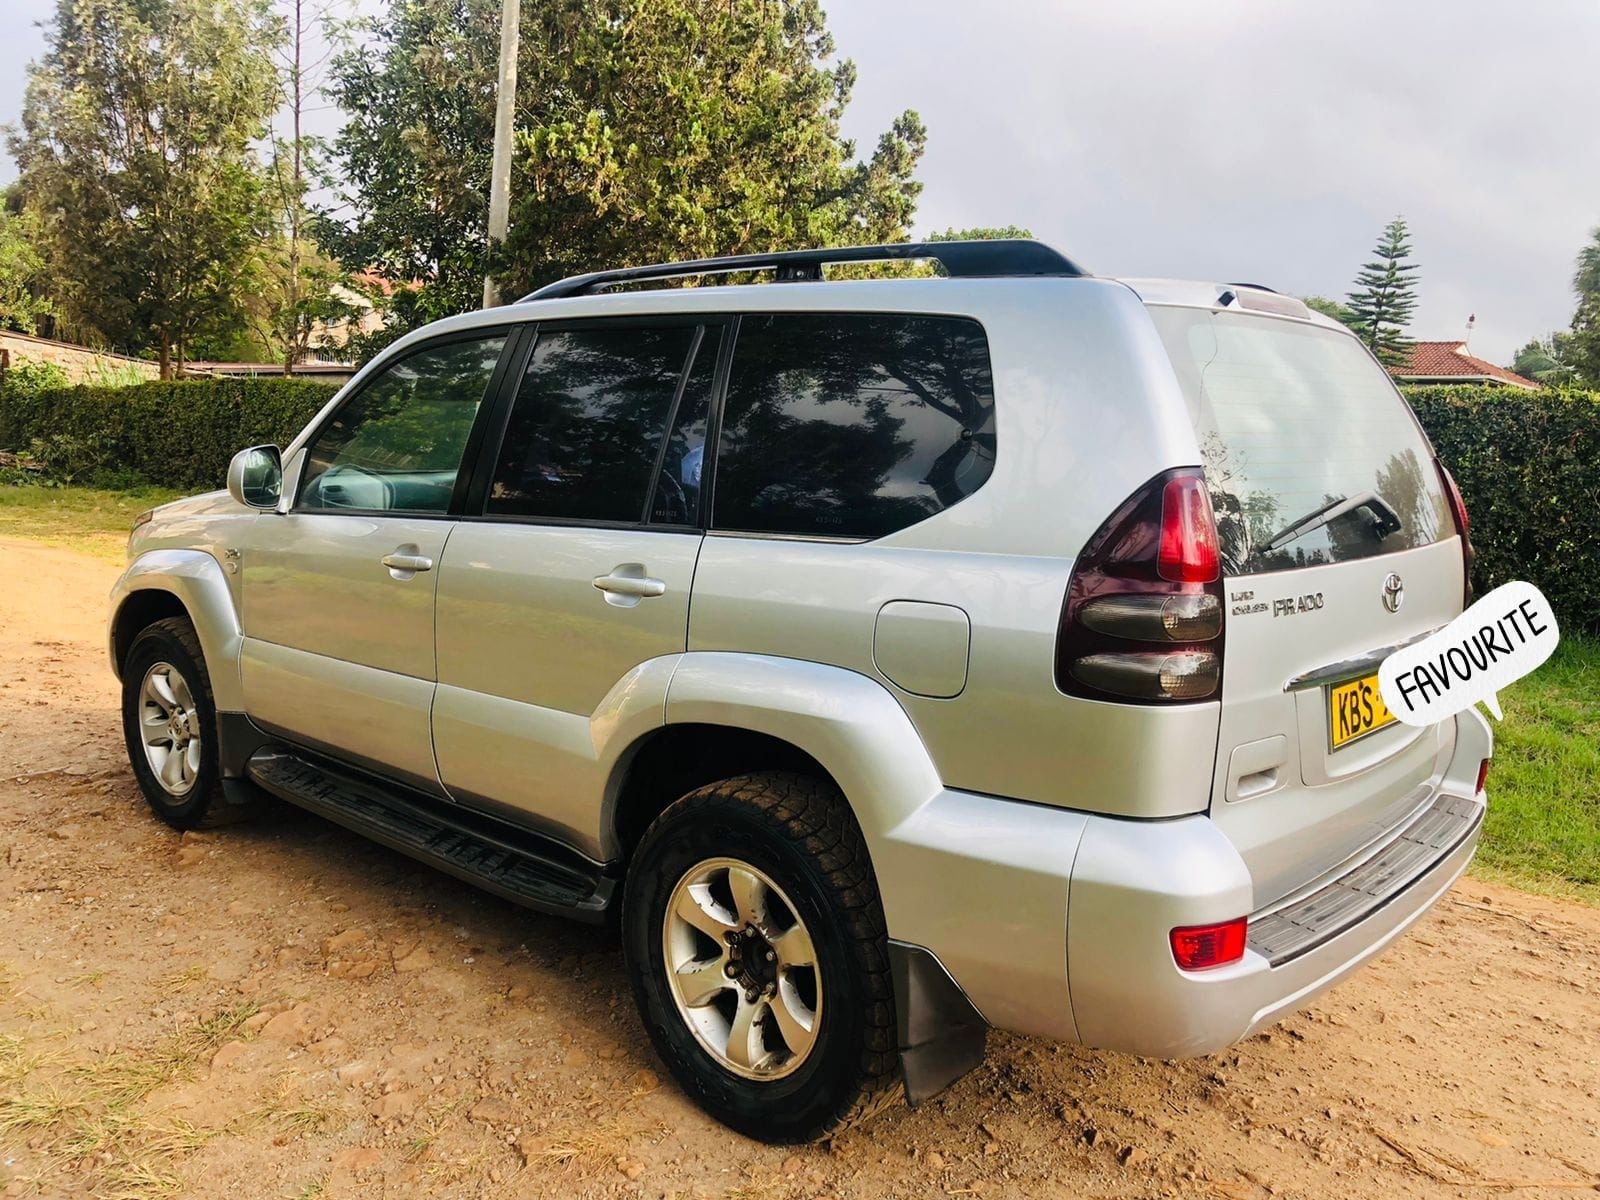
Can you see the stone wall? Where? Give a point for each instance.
(81, 364)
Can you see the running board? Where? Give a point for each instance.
(511, 862)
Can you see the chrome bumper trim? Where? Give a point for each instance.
(1351, 668)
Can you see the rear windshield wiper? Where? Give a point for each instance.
(1388, 521)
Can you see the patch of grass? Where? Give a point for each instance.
(18, 1060)
(591, 1143)
(182, 979)
(125, 1078)
(285, 1107)
(471, 1165)
(419, 1145)
(87, 1117)
(41, 1108)
(1542, 832)
(78, 518)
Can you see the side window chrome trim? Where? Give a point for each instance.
(756, 535)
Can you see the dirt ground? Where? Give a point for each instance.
(284, 1010)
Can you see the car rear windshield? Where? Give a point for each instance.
(1297, 422)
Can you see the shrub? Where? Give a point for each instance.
(178, 434)
(1526, 465)
(29, 378)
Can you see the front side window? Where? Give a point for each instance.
(853, 425)
(588, 422)
(396, 446)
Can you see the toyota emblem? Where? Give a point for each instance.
(1394, 592)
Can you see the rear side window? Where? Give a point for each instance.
(588, 423)
(1294, 422)
(852, 424)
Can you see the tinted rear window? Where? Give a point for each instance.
(853, 424)
(1293, 418)
(588, 421)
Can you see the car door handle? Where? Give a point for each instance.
(637, 587)
(407, 562)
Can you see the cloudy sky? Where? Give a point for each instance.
(1237, 139)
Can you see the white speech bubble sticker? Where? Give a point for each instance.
(1497, 641)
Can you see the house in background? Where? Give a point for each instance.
(363, 298)
(1449, 362)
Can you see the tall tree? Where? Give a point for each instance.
(1385, 296)
(646, 129)
(23, 303)
(136, 152)
(1546, 359)
(1331, 308)
(980, 233)
(1583, 345)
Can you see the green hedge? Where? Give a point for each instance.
(177, 435)
(1528, 465)
(1528, 462)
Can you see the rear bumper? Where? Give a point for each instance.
(1127, 992)
(1056, 923)
(1142, 1003)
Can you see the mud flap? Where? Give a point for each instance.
(942, 1036)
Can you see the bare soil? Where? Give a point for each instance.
(283, 1010)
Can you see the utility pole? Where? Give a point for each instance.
(504, 118)
(297, 185)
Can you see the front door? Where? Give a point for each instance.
(338, 591)
(575, 575)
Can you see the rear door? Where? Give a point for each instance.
(575, 566)
(1338, 544)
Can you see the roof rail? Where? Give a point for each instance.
(973, 259)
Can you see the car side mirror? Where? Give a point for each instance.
(255, 476)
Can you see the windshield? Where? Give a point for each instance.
(1294, 419)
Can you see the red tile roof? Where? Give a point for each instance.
(1449, 362)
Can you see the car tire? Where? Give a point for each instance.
(169, 723)
(782, 1051)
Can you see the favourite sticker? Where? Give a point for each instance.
(1501, 638)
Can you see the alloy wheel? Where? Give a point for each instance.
(169, 726)
(742, 968)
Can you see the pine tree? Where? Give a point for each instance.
(1385, 296)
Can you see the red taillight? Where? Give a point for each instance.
(1201, 947)
(1142, 621)
(1483, 776)
(1188, 551)
(1458, 513)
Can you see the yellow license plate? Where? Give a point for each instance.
(1355, 709)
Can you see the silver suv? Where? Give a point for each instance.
(890, 659)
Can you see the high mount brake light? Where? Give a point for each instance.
(1143, 617)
